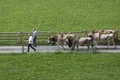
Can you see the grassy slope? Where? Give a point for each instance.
(59, 15)
(60, 66)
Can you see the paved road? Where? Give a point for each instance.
(18, 49)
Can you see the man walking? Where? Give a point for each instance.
(30, 42)
(34, 37)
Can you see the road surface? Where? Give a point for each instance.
(18, 49)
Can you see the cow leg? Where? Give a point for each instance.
(88, 47)
(77, 48)
(63, 46)
(108, 43)
(114, 43)
(72, 47)
(95, 43)
(93, 48)
(58, 45)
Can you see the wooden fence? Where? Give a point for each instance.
(17, 38)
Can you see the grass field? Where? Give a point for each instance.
(60, 66)
(59, 15)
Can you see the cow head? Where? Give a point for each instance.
(52, 40)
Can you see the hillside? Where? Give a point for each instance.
(58, 15)
(60, 66)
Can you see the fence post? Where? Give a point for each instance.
(21, 41)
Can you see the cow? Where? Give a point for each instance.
(82, 41)
(103, 36)
(52, 39)
(62, 39)
(115, 32)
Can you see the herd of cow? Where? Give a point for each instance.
(89, 39)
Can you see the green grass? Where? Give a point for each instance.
(58, 15)
(60, 66)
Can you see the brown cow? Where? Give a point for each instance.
(103, 36)
(52, 39)
(83, 41)
(62, 39)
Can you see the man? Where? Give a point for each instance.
(30, 42)
(35, 37)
